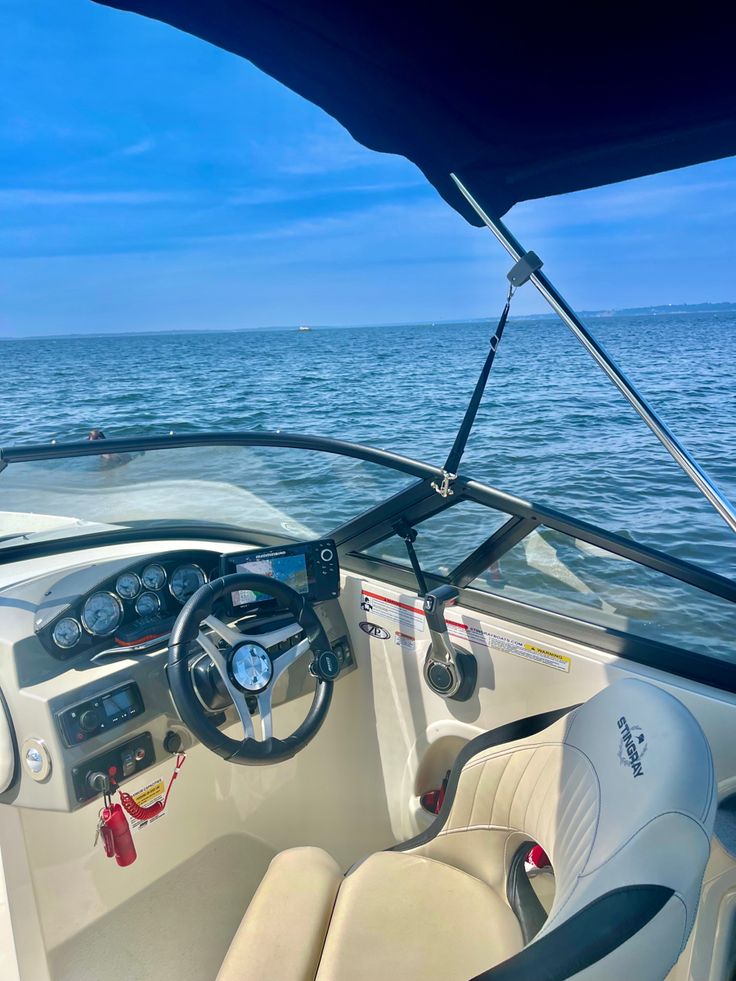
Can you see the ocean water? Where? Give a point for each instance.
(551, 428)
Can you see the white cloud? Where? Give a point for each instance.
(28, 197)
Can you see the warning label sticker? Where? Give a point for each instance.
(406, 641)
(560, 662)
(392, 609)
(532, 652)
(412, 620)
(145, 797)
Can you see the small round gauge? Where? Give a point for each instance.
(154, 576)
(147, 605)
(128, 585)
(67, 633)
(102, 613)
(185, 581)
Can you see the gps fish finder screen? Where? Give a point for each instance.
(291, 569)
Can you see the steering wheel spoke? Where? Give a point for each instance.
(238, 697)
(228, 634)
(249, 665)
(266, 714)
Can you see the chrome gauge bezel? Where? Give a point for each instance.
(116, 600)
(148, 593)
(162, 583)
(186, 565)
(60, 644)
(138, 585)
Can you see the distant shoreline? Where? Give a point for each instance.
(673, 309)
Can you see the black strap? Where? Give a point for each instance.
(586, 938)
(458, 447)
(404, 530)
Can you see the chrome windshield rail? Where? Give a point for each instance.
(664, 434)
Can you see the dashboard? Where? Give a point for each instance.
(134, 605)
(83, 652)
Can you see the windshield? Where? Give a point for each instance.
(264, 489)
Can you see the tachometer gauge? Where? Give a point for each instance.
(185, 581)
(102, 613)
(128, 585)
(154, 576)
(67, 633)
(147, 605)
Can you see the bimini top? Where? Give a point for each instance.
(518, 105)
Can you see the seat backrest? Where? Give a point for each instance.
(621, 795)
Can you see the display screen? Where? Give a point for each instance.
(119, 701)
(291, 569)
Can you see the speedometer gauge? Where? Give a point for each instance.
(185, 581)
(154, 576)
(66, 633)
(128, 585)
(102, 613)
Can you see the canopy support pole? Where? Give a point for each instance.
(568, 316)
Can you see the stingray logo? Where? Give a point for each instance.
(632, 747)
(373, 630)
(365, 604)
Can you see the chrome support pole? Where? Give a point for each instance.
(568, 316)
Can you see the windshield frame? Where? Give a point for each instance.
(415, 503)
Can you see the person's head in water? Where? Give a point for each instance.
(96, 434)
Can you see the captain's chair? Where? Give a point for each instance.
(621, 795)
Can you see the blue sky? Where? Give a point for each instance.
(149, 181)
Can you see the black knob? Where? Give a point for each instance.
(89, 720)
(325, 666)
(172, 742)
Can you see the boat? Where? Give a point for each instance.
(304, 330)
(248, 731)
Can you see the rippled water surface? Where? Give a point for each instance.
(551, 427)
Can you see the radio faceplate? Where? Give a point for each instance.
(100, 713)
(311, 568)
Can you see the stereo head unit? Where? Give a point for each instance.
(311, 568)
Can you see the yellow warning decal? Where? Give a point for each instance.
(560, 662)
(150, 794)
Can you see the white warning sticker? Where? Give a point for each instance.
(405, 641)
(532, 652)
(392, 609)
(145, 797)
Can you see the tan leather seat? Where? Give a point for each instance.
(620, 793)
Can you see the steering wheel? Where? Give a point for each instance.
(247, 669)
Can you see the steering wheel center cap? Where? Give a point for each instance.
(251, 667)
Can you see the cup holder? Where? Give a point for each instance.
(437, 760)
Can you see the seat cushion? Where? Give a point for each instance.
(405, 916)
(283, 931)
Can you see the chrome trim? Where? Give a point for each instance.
(186, 565)
(148, 592)
(154, 565)
(66, 647)
(116, 599)
(138, 588)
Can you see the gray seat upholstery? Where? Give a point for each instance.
(621, 795)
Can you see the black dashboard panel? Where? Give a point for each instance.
(137, 602)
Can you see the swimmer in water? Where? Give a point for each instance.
(109, 459)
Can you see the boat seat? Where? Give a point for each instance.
(621, 795)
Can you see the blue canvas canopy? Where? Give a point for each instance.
(519, 104)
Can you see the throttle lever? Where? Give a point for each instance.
(448, 670)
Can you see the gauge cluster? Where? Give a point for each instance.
(138, 602)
